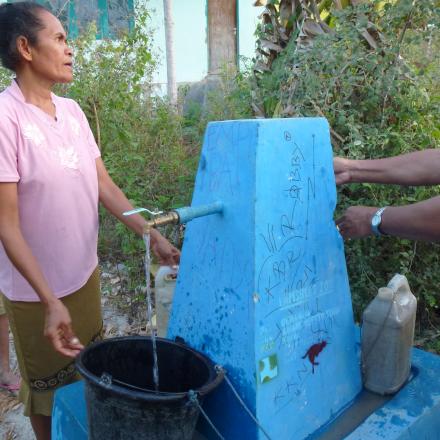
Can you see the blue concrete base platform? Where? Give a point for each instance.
(412, 414)
(69, 414)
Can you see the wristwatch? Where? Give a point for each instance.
(376, 220)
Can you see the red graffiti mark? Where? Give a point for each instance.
(313, 352)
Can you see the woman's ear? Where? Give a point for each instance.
(24, 48)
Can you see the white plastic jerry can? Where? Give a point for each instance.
(164, 283)
(387, 337)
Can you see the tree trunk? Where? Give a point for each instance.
(222, 35)
(169, 41)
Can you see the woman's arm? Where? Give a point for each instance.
(58, 323)
(418, 168)
(114, 200)
(419, 221)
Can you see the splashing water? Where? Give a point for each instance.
(150, 310)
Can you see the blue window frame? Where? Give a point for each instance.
(111, 16)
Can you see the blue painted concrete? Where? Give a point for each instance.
(414, 412)
(263, 288)
(69, 415)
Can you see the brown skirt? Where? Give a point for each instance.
(42, 369)
(2, 305)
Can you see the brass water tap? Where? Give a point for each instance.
(170, 218)
(177, 216)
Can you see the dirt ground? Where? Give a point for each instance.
(122, 316)
(13, 425)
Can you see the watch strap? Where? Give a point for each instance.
(376, 220)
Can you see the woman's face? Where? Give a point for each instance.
(51, 57)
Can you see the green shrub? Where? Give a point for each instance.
(379, 103)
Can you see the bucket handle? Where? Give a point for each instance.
(192, 396)
(106, 379)
(221, 370)
(180, 340)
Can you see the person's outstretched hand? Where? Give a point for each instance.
(356, 222)
(342, 168)
(58, 329)
(167, 254)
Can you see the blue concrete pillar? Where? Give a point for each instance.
(263, 287)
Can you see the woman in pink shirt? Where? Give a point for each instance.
(51, 181)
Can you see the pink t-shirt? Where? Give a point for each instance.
(53, 163)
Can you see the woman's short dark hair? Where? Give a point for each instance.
(18, 19)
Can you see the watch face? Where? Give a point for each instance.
(375, 221)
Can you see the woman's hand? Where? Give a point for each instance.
(58, 329)
(166, 253)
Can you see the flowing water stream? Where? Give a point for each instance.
(150, 310)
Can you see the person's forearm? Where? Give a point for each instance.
(115, 201)
(418, 168)
(24, 261)
(419, 221)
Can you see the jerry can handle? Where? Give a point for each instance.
(399, 284)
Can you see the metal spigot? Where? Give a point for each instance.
(170, 218)
(179, 215)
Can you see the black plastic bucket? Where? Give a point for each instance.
(121, 402)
